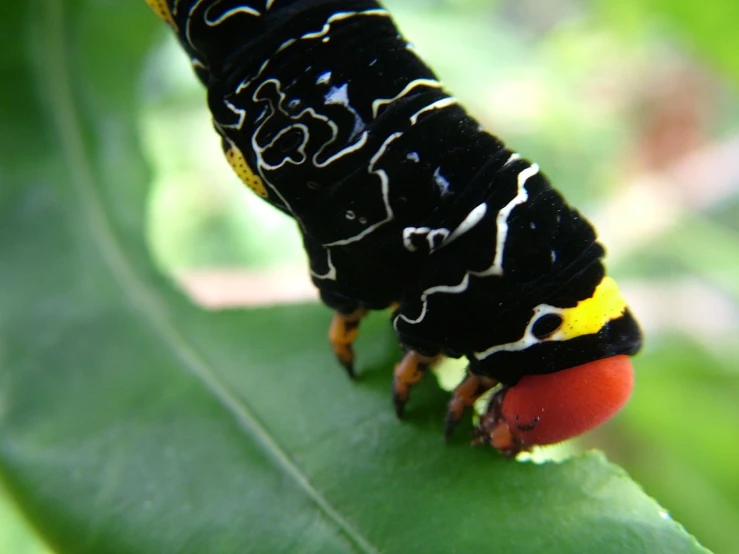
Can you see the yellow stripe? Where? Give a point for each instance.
(591, 314)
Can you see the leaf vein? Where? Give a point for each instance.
(64, 114)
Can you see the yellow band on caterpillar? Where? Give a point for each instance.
(587, 318)
(591, 314)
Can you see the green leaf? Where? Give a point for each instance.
(718, 264)
(15, 535)
(133, 422)
(676, 372)
(708, 28)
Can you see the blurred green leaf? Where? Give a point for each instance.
(679, 437)
(708, 27)
(15, 535)
(705, 248)
(132, 422)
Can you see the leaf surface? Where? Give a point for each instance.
(133, 422)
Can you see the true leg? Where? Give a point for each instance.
(342, 333)
(493, 429)
(464, 396)
(408, 372)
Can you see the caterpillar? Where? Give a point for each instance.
(405, 201)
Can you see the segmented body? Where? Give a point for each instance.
(330, 115)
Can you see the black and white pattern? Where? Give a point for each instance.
(329, 113)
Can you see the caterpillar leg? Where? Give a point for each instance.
(342, 333)
(408, 372)
(493, 429)
(463, 397)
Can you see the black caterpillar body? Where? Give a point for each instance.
(327, 112)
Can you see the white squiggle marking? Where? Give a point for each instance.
(528, 338)
(331, 273)
(238, 111)
(384, 180)
(472, 219)
(338, 17)
(286, 44)
(431, 238)
(448, 289)
(289, 42)
(413, 156)
(439, 104)
(377, 104)
(496, 268)
(327, 26)
(261, 115)
(385, 183)
(255, 147)
(501, 221)
(220, 19)
(431, 235)
(441, 182)
(301, 148)
(341, 153)
(360, 143)
(512, 158)
(273, 108)
(246, 82)
(259, 151)
(324, 78)
(190, 18)
(268, 5)
(408, 233)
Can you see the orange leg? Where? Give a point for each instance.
(494, 430)
(342, 333)
(408, 372)
(464, 396)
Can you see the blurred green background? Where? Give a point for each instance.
(631, 109)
